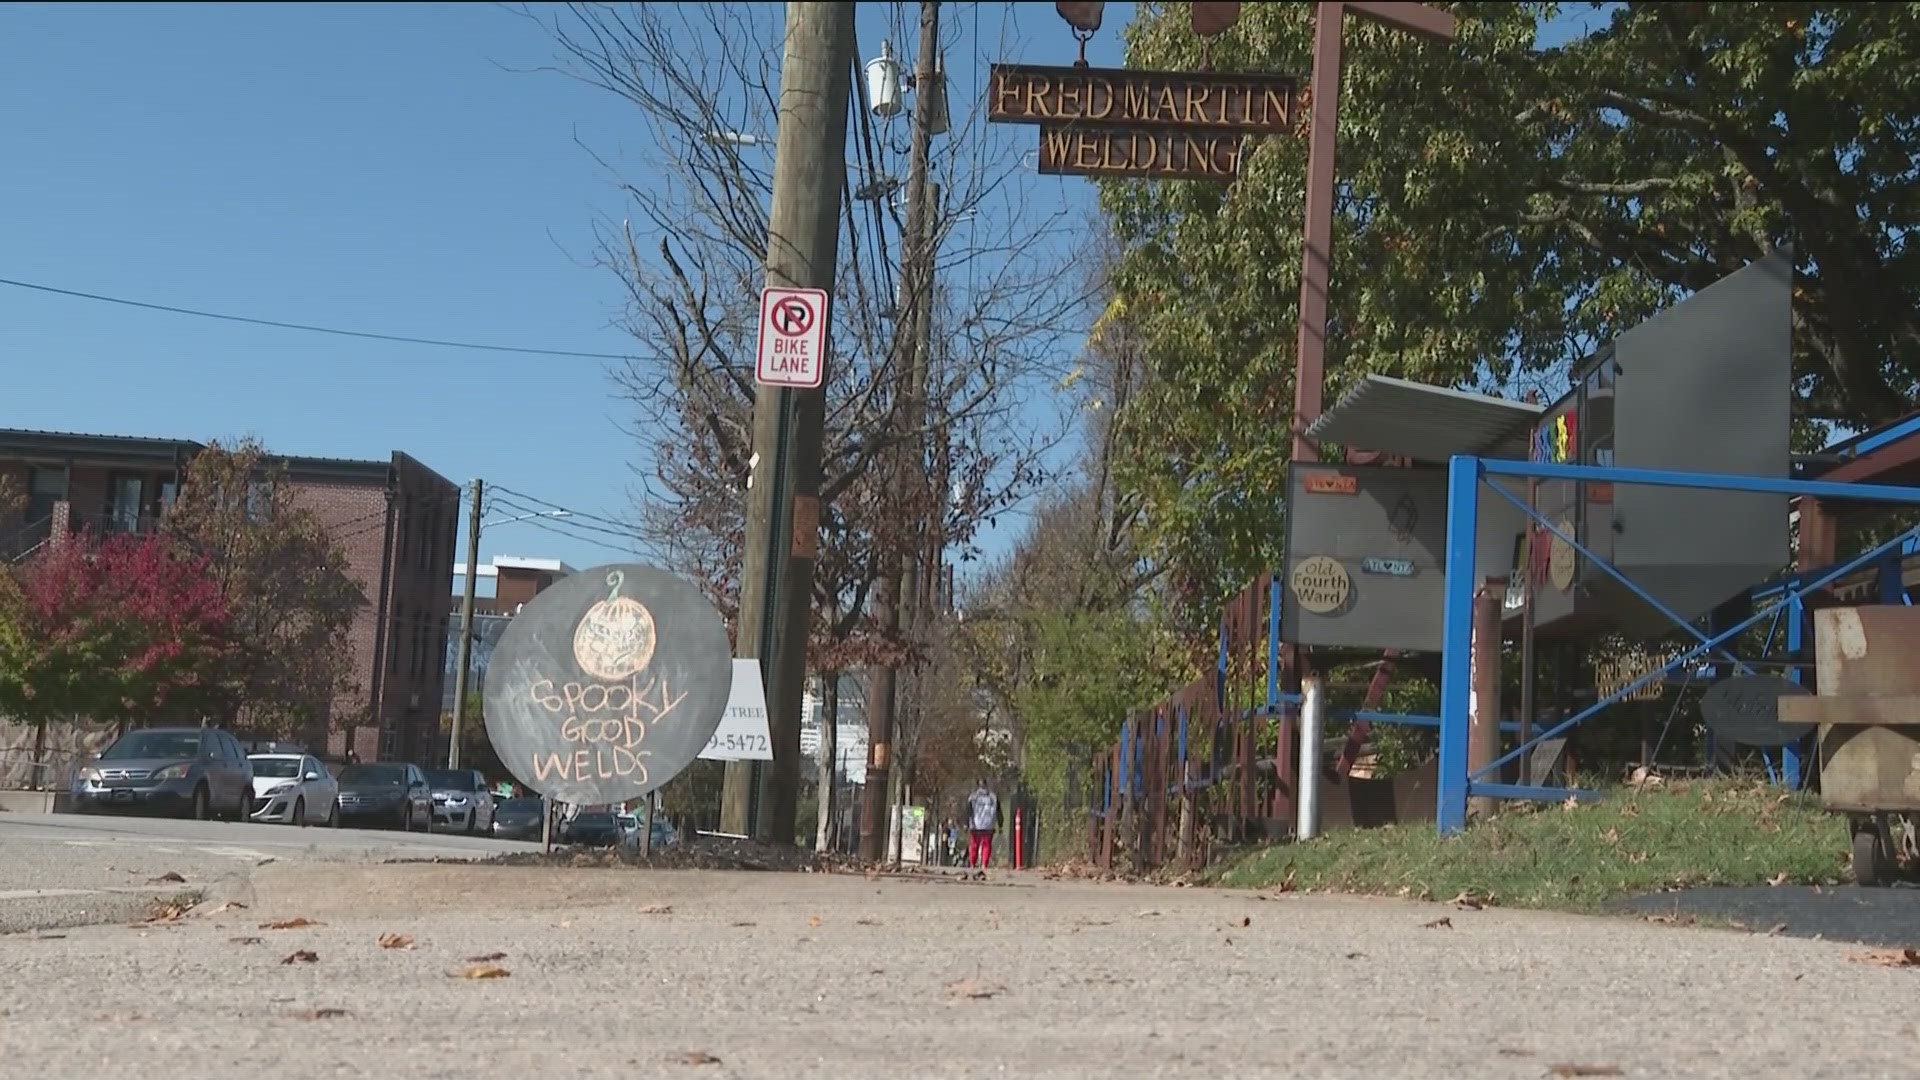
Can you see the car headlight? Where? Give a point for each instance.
(280, 789)
(91, 776)
(173, 772)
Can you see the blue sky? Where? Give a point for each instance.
(392, 168)
(389, 168)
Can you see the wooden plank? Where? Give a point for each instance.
(1880, 710)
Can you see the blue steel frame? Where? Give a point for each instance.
(1465, 473)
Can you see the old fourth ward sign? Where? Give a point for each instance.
(1117, 122)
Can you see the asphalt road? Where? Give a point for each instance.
(1887, 917)
(75, 869)
(625, 973)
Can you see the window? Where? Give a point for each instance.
(124, 495)
(44, 488)
(169, 493)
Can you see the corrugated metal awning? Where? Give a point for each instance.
(1426, 423)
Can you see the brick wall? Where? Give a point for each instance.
(426, 523)
(355, 513)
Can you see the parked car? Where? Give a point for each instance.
(664, 834)
(518, 819)
(591, 828)
(461, 800)
(197, 770)
(295, 789)
(386, 793)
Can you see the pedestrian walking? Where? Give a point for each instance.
(983, 818)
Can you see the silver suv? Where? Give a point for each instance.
(200, 771)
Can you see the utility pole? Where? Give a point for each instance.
(896, 585)
(783, 505)
(466, 623)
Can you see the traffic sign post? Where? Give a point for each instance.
(793, 338)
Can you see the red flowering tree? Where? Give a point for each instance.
(115, 630)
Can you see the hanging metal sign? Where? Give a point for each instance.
(1320, 585)
(1169, 125)
(1374, 564)
(607, 684)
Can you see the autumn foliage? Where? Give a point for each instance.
(116, 629)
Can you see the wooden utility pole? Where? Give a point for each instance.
(783, 505)
(897, 587)
(466, 624)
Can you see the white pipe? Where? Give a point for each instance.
(1313, 707)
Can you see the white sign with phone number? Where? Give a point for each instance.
(742, 734)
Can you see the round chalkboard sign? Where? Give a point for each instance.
(1746, 710)
(607, 684)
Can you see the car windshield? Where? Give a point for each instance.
(450, 779)
(519, 806)
(155, 744)
(276, 768)
(594, 821)
(374, 775)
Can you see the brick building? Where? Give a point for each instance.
(395, 520)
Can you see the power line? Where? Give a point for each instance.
(507, 491)
(401, 338)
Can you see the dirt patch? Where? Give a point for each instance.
(707, 853)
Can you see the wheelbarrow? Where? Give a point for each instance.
(1867, 711)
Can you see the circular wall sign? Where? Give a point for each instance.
(607, 684)
(1561, 559)
(1320, 585)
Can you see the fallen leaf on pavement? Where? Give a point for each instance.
(1286, 883)
(699, 1057)
(866, 922)
(168, 876)
(657, 909)
(1246, 920)
(48, 937)
(294, 923)
(974, 988)
(1468, 901)
(487, 958)
(1147, 914)
(395, 941)
(813, 920)
(1778, 879)
(320, 1014)
(302, 956)
(746, 924)
(1441, 923)
(483, 971)
(1229, 941)
(1356, 956)
(1569, 1069)
(245, 940)
(231, 905)
(1778, 929)
(1901, 958)
(1508, 1051)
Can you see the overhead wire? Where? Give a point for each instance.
(310, 328)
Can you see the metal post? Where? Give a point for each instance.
(1796, 633)
(1456, 659)
(1527, 658)
(466, 624)
(1313, 707)
(802, 250)
(1484, 742)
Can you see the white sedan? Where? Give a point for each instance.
(295, 789)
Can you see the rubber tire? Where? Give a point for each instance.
(244, 804)
(406, 816)
(1868, 862)
(333, 814)
(299, 817)
(202, 803)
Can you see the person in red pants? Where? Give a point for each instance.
(983, 819)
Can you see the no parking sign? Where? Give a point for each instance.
(793, 338)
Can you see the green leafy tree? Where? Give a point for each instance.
(1502, 210)
(285, 580)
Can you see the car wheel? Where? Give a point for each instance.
(333, 814)
(202, 809)
(406, 817)
(243, 804)
(300, 812)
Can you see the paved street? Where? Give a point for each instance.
(623, 973)
(72, 869)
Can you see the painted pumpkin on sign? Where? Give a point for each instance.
(616, 637)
